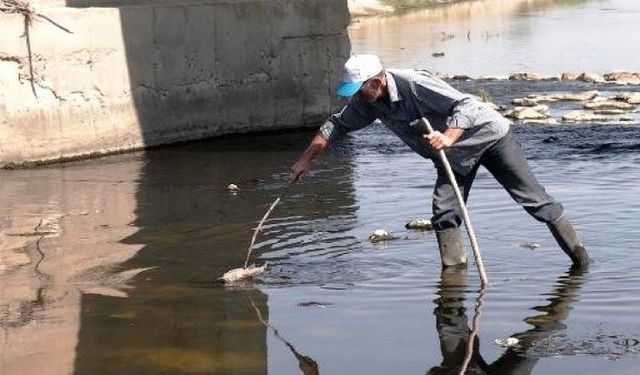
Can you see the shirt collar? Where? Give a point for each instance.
(394, 95)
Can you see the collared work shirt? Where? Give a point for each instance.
(442, 105)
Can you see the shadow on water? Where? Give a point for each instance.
(179, 318)
(454, 332)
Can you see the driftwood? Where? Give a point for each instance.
(255, 233)
(23, 7)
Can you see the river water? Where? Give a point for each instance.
(109, 266)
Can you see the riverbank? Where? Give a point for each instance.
(366, 8)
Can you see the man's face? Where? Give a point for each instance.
(371, 90)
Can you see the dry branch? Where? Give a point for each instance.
(23, 7)
(255, 233)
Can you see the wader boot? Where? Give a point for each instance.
(568, 240)
(452, 252)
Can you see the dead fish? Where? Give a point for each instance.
(238, 274)
(380, 235)
(530, 245)
(314, 304)
(232, 188)
(420, 224)
(508, 343)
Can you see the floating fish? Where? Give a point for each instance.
(507, 343)
(232, 188)
(530, 245)
(244, 273)
(380, 235)
(314, 304)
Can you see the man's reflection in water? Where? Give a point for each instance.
(452, 325)
(453, 328)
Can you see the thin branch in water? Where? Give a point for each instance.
(255, 233)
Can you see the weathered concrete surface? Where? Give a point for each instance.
(153, 73)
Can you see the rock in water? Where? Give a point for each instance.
(591, 77)
(526, 76)
(569, 76)
(238, 274)
(420, 224)
(610, 104)
(629, 97)
(540, 111)
(583, 116)
(623, 77)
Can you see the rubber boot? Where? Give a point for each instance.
(452, 252)
(568, 240)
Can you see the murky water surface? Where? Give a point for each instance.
(110, 266)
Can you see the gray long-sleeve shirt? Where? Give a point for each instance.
(441, 104)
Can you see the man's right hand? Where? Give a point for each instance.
(302, 166)
(299, 169)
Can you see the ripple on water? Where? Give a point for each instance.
(534, 294)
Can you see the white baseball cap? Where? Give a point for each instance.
(358, 69)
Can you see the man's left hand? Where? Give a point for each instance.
(438, 140)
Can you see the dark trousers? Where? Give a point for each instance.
(506, 162)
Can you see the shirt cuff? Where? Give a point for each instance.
(327, 130)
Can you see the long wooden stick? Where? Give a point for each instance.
(255, 233)
(463, 209)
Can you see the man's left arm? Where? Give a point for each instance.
(437, 96)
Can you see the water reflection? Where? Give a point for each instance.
(305, 363)
(454, 332)
(497, 37)
(58, 237)
(179, 318)
(110, 265)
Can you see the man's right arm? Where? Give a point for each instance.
(353, 116)
(303, 165)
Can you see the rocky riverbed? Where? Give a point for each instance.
(577, 98)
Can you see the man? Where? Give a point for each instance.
(471, 133)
